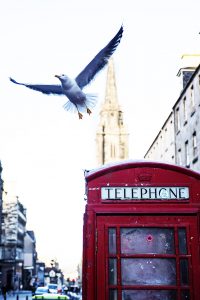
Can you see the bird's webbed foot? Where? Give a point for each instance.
(89, 111)
(80, 116)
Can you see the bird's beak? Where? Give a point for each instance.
(57, 76)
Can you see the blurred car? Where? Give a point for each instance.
(74, 292)
(51, 296)
(53, 288)
(74, 289)
(41, 290)
(74, 296)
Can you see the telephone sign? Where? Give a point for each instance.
(152, 193)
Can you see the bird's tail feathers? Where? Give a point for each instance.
(69, 106)
(90, 102)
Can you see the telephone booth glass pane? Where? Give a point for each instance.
(112, 271)
(112, 241)
(113, 295)
(185, 295)
(148, 294)
(147, 240)
(148, 271)
(184, 271)
(182, 241)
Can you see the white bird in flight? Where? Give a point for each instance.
(72, 88)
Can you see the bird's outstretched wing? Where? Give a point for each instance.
(43, 88)
(99, 61)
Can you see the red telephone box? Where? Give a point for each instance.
(141, 233)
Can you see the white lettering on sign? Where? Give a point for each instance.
(152, 193)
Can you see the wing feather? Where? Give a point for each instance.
(99, 61)
(43, 88)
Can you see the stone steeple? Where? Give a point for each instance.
(111, 136)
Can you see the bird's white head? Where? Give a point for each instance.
(62, 77)
(66, 82)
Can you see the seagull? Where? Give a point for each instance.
(73, 88)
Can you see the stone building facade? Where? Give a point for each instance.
(112, 135)
(187, 124)
(30, 258)
(18, 256)
(163, 147)
(13, 233)
(184, 124)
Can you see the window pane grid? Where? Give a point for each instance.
(112, 241)
(182, 241)
(177, 253)
(184, 290)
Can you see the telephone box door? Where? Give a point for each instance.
(140, 260)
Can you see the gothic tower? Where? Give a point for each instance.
(111, 136)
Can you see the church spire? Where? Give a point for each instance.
(111, 137)
(111, 100)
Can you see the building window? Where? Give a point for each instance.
(184, 110)
(179, 157)
(194, 143)
(178, 125)
(192, 100)
(187, 158)
(120, 118)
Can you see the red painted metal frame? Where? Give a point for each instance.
(135, 173)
